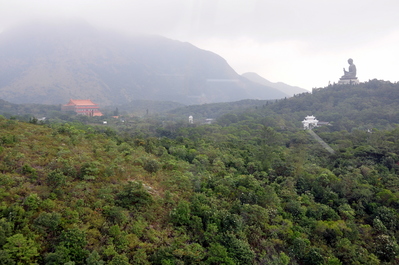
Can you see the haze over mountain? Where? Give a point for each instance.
(52, 62)
(287, 89)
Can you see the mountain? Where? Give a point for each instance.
(52, 62)
(287, 89)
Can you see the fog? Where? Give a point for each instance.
(302, 43)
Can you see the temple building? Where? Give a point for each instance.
(309, 122)
(82, 107)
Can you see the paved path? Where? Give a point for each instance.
(324, 144)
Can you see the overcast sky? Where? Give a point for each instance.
(304, 43)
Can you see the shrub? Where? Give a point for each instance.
(89, 171)
(134, 195)
(21, 249)
(32, 202)
(151, 165)
(56, 179)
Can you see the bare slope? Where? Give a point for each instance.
(51, 63)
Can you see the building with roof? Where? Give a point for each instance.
(82, 107)
(309, 122)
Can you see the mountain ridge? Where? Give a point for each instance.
(285, 88)
(50, 64)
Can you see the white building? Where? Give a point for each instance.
(309, 122)
(190, 119)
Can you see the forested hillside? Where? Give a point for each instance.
(9, 109)
(253, 188)
(365, 106)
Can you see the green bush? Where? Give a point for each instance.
(56, 179)
(21, 250)
(133, 196)
(151, 165)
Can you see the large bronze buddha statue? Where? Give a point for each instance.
(349, 76)
(351, 73)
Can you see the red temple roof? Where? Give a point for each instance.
(77, 102)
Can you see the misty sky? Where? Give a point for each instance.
(304, 43)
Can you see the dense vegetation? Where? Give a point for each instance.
(253, 188)
(373, 104)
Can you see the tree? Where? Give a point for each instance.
(94, 259)
(134, 195)
(60, 256)
(217, 254)
(5, 258)
(56, 179)
(47, 222)
(32, 201)
(119, 259)
(181, 214)
(5, 231)
(20, 249)
(75, 241)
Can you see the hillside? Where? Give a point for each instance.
(253, 188)
(287, 89)
(9, 109)
(52, 62)
(373, 104)
(215, 110)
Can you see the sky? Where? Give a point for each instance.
(303, 43)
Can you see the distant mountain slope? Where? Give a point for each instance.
(215, 110)
(51, 63)
(143, 107)
(29, 110)
(287, 89)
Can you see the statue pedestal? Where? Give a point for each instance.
(350, 81)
